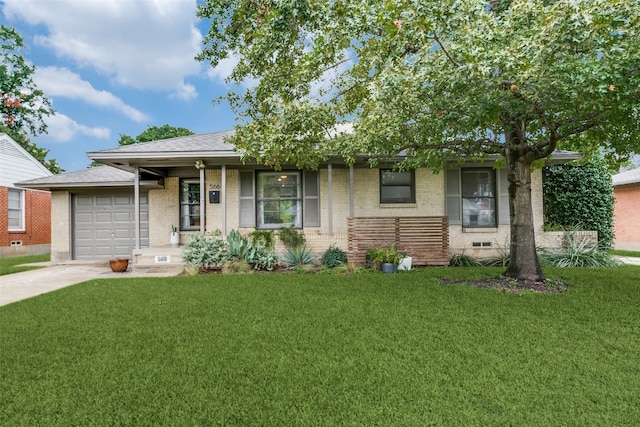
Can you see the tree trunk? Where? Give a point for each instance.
(523, 264)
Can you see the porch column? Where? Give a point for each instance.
(223, 199)
(136, 205)
(351, 191)
(330, 197)
(203, 189)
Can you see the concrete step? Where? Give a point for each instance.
(164, 259)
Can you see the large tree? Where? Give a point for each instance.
(155, 133)
(22, 105)
(152, 133)
(439, 79)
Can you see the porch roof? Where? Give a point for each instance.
(100, 176)
(157, 156)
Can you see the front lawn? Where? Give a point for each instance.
(367, 349)
(15, 264)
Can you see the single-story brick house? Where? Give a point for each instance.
(25, 214)
(200, 183)
(626, 220)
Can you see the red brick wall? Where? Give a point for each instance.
(37, 219)
(626, 216)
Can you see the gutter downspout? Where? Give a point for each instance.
(223, 199)
(202, 199)
(136, 204)
(351, 192)
(330, 197)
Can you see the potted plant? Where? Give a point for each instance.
(174, 237)
(387, 258)
(119, 265)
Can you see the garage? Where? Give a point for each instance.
(104, 224)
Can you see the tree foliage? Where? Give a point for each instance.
(22, 105)
(580, 195)
(438, 79)
(155, 133)
(152, 133)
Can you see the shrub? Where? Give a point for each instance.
(291, 237)
(205, 250)
(262, 258)
(266, 237)
(240, 266)
(212, 251)
(255, 253)
(574, 254)
(580, 195)
(333, 257)
(502, 260)
(462, 260)
(383, 255)
(297, 256)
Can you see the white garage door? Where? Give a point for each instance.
(104, 225)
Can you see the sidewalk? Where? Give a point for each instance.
(27, 284)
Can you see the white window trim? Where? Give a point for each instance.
(299, 199)
(184, 227)
(21, 226)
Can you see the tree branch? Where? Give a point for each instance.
(444, 49)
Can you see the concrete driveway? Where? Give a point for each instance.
(27, 284)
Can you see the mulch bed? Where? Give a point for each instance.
(507, 284)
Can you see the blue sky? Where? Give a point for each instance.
(114, 67)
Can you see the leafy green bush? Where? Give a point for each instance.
(297, 256)
(580, 195)
(383, 255)
(267, 237)
(205, 250)
(213, 251)
(333, 257)
(255, 253)
(291, 237)
(262, 258)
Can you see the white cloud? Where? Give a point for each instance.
(225, 67)
(145, 44)
(61, 82)
(61, 128)
(185, 92)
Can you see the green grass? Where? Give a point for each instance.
(368, 349)
(620, 252)
(13, 264)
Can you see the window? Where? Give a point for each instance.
(397, 187)
(478, 197)
(270, 200)
(16, 209)
(279, 199)
(190, 204)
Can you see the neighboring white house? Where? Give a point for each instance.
(200, 183)
(25, 215)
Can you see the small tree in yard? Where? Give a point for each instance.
(438, 79)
